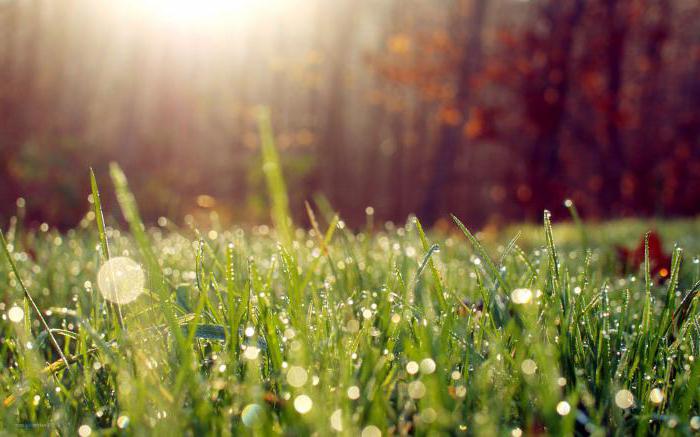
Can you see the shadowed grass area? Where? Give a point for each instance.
(390, 330)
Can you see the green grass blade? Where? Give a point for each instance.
(437, 280)
(104, 243)
(99, 218)
(492, 270)
(276, 187)
(127, 203)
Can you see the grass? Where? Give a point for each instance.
(389, 330)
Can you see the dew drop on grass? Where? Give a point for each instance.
(528, 366)
(521, 296)
(371, 431)
(15, 314)
(337, 420)
(84, 431)
(412, 367)
(656, 396)
(695, 422)
(122, 422)
(427, 366)
(563, 408)
(354, 392)
(251, 415)
(624, 399)
(120, 280)
(297, 376)
(251, 353)
(416, 389)
(303, 404)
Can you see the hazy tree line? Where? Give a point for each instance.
(490, 109)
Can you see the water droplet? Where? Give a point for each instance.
(529, 367)
(656, 396)
(123, 422)
(337, 420)
(354, 392)
(121, 280)
(427, 366)
(695, 422)
(251, 415)
(303, 404)
(416, 389)
(297, 376)
(412, 367)
(371, 431)
(563, 408)
(251, 353)
(624, 399)
(84, 431)
(15, 314)
(521, 296)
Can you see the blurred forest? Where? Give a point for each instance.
(489, 109)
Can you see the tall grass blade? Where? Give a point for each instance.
(437, 280)
(127, 203)
(104, 244)
(276, 187)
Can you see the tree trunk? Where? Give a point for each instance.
(613, 156)
(544, 160)
(451, 133)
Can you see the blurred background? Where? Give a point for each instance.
(489, 109)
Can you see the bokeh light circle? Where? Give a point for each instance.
(121, 280)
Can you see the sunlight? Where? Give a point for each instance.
(190, 13)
